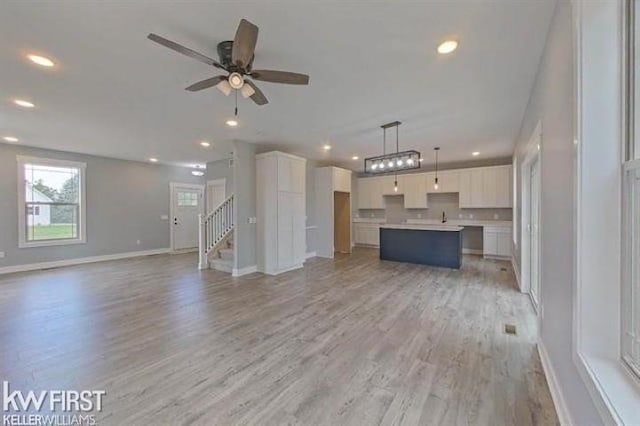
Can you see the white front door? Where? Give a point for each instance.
(216, 193)
(186, 206)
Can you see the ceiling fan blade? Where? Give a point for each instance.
(258, 97)
(244, 43)
(184, 50)
(280, 77)
(205, 84)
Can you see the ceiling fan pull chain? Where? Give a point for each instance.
(236, 110)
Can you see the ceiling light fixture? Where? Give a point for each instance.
(41, 60)
(247, 91)
(475, 153)
(23, 103)
(205, 144)
(232, 122)
(153, 160)
(447, 47)
(235, 80)
(326, 147)
(435, 185)
(405, 160)
(10, 139)
(197, 173)
(224, 87)
(355, 157)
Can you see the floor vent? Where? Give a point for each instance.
(510, 329)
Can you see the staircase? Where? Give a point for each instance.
(215, 237)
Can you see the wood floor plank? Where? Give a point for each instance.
(353, 340)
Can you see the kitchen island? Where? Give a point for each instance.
(434, 245)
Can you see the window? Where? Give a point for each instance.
(187, 199)
(51, 196)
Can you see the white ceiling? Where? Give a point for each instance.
(117, 94)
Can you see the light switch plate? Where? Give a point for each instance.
(252, 220)
(164, 217)
(1, 255)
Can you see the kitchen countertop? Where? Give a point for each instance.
(452, 222)
(423, 227)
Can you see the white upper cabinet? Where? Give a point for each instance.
(481, 187)
(370, 193)
(289, 171)
(486, 187)
(415, 190)
(341, 180)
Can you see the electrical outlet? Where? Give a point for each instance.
(371, 215)
(1, 255)
(496, 216)
(138, 242)
(470, 215)
(252, 220)
(460, 216)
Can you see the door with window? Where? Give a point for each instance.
(187, 204)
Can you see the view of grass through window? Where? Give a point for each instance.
(52, 202)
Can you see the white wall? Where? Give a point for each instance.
(552, 102)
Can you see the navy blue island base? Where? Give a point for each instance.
(423, 246)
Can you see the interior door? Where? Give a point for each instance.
(186, 207)
(534, 229)
(216, 193)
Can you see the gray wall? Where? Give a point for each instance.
(125, 200)
(244, 183)
(552, 102)
(220, 169)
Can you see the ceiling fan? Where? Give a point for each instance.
(236, 58)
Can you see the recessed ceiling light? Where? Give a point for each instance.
(355, 157)
(231, 122)
(10, 139)
(23, 103)
(199, 166)
(41, 60)
(447, 47)
(205, 144)
(197, 173)
(326, 147)
(153, 160)
(475, 153)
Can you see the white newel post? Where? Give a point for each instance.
(202, 249)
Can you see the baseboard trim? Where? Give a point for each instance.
(516, 271)
(554, 387)
(80, 261)
(310, 255)
(244, 271)
(472, 251)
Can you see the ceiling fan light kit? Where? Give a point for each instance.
(236, 58)
(394, 161)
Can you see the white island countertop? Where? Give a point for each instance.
(422, 227)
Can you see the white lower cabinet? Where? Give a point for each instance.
(367, 234)
(496, 241)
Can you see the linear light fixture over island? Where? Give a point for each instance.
(394, 161)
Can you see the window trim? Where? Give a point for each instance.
(630, 169)
(22, 237)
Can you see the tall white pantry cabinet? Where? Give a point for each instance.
(281, 212)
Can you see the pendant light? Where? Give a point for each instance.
(435, 185)
(394, 161)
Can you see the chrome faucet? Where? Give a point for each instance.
(444, 217)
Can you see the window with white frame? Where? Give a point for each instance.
(51, 202)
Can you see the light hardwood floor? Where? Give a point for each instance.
(347, 341)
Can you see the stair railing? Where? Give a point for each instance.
(214, 227)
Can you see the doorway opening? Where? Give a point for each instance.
(342, 222)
